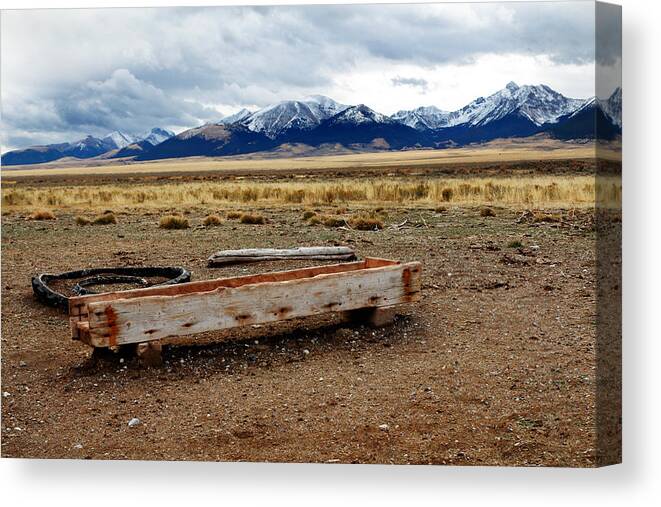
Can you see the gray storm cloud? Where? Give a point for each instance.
(410, 81)
(70, 72)
(123, 102)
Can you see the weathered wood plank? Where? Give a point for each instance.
(374, 317)
(78, 305)
(150, 353)
(78, 310)
(81, 331)
(154, 317)
(375, 262)
(338, 253)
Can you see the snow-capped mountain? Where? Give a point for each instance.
(116, 144)
(119, 139)
(513, 112)
(156, 135)
(87, 147)
(210, 140)
(287, 115)
(594, 119)
(422, 118)
(360, 114)
(540, 104)
(236, 117)
(360, 127)
(323, 107)
(90, 144)
(613, 106)
(144, 143)
(278, 118)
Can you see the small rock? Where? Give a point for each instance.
(306, 351)
(384, 427)
(78, 446)
(22, 363)
(343, 333)
(134, 422)
(6, 394)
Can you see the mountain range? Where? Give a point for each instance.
(114, 145)
(317, 121)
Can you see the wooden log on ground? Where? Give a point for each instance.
(326, 253)
(78, 306)
(150, 353)
(297, 293)
(373, 317)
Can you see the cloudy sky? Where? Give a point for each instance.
(67, 73)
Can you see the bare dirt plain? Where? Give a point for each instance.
(494, 366)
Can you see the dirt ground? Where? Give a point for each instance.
(494, 366)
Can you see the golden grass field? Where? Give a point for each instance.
(534, 191)
(419, 177)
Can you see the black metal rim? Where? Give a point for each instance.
(82, 287)
(48, 296)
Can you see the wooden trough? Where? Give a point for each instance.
(366, 289)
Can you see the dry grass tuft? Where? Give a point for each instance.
(308, 214)
(173, 222)
(366, 223)
(252, 218)
(83, 221)
(487, 212)
(440, 209)
(514, 244)
(546, 217)
(105, 219)
(42, 214)
(233, 215)
(212, 220)
(328, 220)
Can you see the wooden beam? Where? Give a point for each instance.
(266, 298)
(336, 253)
(78, 304)
(374, 317)
(150, 353)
